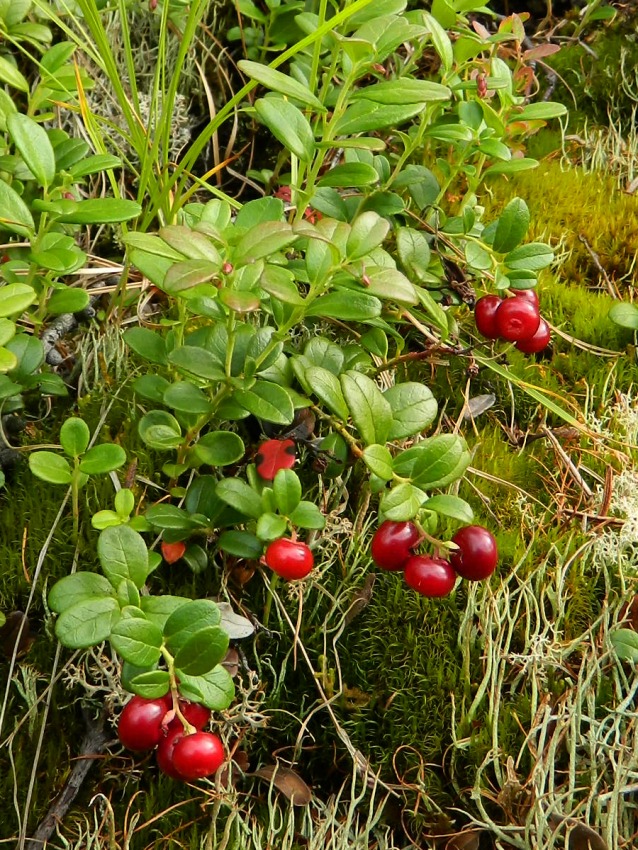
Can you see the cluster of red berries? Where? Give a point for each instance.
(515, 319)
(475, 558)
(149, 723)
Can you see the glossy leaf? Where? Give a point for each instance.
(202, 651)
(148, 344)
(220, 448)
(197, 361)
(87, 623)
(365, 115)
(414, 409)
(276, 81)
(102, 459)
(14, 213)
(530, 257)
(74, 436)
(32, 141)
(402, 502)
(287, 491)
(123, 554)
(370, 411)
(239, 495)
(346, 305)
(189, 619)
(138, 641)
(267, 401)
(288, 125)
(450, 506)
(327, 387)
(78, 587)
(159, 430)
(379, 461)
(404, 91)
(215, 690)
(50, 467)
(512, 226)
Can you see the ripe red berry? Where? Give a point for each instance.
(165, 751)
(485, 315)
(538, 342)
(172, 552)
(392, 544)
(197, 715)
(289, 559)
(274, 455)
(516, 319)
(429, 576)
(527, 295)
(140, 724)
(477, 555)
(198, 755)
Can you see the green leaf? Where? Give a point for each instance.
(150, 685)
(379, 461)
(327, 388)
(368, 232)
(74, 436)
(148, 344)
(239, 495)
(287, 491)
(450, 506)
(392, 285)
(307, 515)
(512, 226)
(477, 257)
(159, 608)
(160, 430)
(215, 690)
(401, 503)
(262, 241)
(370, 411)
(440, 40)
(14, 213)
(201, 652)
(241, 544)
(123, 554)
(625, 644)
(198, 361)
(542, 111)
(271, 526)
(101, 211)
(530, 257)
(347, 305)
(151, 387)
(434, 462)
(9, 74)
(127, 594)
(288, 125)
(87, 623)
(67, 300)
(15, 297)
(166, 516)
(220, 448)
(102, 459)
(514, 166)
(404, 91)
(187, 398)
(32, 142)
(189, 619)
(267, 401)
(137, 641)
(625, 315)
(365, 115)
(276, 81)
(94, 164)
(349, 174)
(414, 409)
(414, 252)
(50, 467)
(78, 587)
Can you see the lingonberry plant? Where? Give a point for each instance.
(276, 323)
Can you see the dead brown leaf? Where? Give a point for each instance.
(467, 840)
(231, 661)
(287, 781)
(580, 835)
(15, 635)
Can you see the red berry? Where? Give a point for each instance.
(172, 552)
(485, 315)
(477, 555)
(527, 294)
(517, 318)
(538, 342)
(140, 724)
(429, 576)
(165, 751)
(198, 755)
(274, 455)
(197, 715)
(392, 544)
(289, 559)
